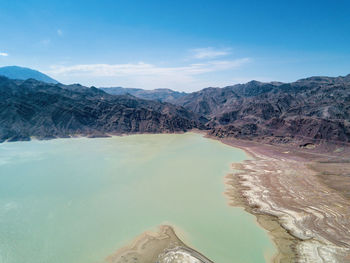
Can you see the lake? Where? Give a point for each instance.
(79, 200)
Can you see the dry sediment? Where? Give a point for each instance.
(308, 220)
(162, 246)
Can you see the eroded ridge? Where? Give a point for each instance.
(316, 217)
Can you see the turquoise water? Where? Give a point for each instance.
(79, 200)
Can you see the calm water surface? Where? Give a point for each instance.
(78, 200)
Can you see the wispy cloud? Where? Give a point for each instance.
(209, 53)
(4, 54)
(141, 68)
(59, 32)
(45, 42)
(144, 75)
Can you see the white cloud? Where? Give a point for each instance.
(141, 68)
(209, 52)
(4, 54)
(59, 32)
(144, 75)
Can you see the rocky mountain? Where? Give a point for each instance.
(15, 72)
(33, 108)
(308, 111)
(312, 109)
(164, 95)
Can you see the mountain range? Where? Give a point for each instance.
(15, 72)
(32, 108)
(316, 109)
(311, 110)
(164, 95)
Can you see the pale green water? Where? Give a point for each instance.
(78, 200)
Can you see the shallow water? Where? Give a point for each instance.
(79, 200)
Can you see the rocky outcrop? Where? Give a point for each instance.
(33, 108)
(314, 109)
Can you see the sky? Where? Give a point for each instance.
(182, 45)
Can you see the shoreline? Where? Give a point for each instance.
(291, 196)
(307, 220)
(162, 246)
(91, 136)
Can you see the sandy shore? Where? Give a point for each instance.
(306, 213)
(162, 246)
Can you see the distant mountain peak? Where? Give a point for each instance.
(22, 73)
(254, 82)
(161, 94)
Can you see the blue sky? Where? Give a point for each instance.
(183, 45)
